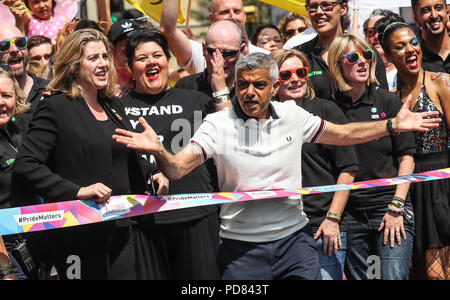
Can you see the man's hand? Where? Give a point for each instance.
(218, 82)
(146, 141)
(409, 121)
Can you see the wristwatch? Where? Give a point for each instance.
(221, 96)
(222, 99)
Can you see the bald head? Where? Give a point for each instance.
(15, 57)
(227, 9)
(227, 31)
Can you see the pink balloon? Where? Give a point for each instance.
(66, 8)
(5, 15)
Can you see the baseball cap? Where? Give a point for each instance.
(120, 29)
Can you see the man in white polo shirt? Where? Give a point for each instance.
(256, 145)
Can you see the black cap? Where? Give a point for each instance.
(120, 29)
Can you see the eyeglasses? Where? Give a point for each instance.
(370, 32)
(225, 53)
(5, 67)
(21, 43)
(285, 75)
(354, 57)
(325, 6)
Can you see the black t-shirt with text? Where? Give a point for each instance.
(175, 115)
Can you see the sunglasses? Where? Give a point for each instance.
(225, 53)
(370, 32)
(354, 57)
(325, 6)
(5, 67)
(285, 75)
(21, 43)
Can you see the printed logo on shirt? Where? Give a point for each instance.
(10, 161)
(154, 110)
(315, 73)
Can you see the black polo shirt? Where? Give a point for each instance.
(319, 73)
(199, 82)
(8, 151)
(322, 164)
(433, 62)
(377, 159)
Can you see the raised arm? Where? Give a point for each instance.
(363, 132)
(178, 41)
(22, 16)
(104, 13)
(173, 166)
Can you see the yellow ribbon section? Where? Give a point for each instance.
(295, 6)
(153, 9)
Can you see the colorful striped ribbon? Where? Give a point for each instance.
(79, 212)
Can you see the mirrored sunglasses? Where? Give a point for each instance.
(354, 57)
(21, 43)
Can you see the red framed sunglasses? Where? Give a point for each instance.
(302, 73)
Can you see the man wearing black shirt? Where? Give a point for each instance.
(431, 17)
(17, 58)
(217, 80)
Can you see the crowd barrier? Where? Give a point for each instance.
(80, 212)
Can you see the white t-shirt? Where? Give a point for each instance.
(300, 38)
(197, 64)
(254, 156)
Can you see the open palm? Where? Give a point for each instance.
(146, 141)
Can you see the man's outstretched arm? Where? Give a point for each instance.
(363, 132)
(173, 166)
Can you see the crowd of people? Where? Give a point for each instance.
(90, 110)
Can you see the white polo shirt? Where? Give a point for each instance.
(251, 156)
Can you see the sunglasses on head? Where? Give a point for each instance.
(21, 43)
(355, 56)
(225, 53)
(285, 75)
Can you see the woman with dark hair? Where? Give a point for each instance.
(328, 19)
(379, 220)
(267, 37)
(69, 153)
(189, 237)
(431, 200)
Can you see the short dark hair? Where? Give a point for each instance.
(382, 23)
(137, 37)
(84, 23)
(415, 5)
(259, 29)
(387, 33)
(38, 40)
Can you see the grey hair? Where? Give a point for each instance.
(258, 61)
(237, 27)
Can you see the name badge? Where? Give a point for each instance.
(374, 117)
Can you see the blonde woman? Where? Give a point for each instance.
(11, 105)
(69, 153)
(321, 165)
(379, 219)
